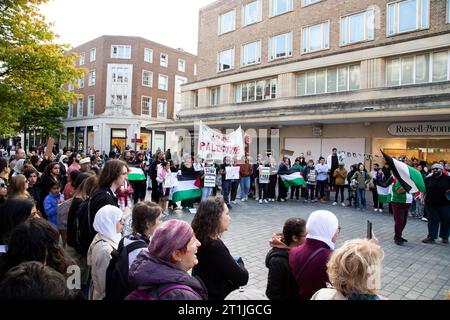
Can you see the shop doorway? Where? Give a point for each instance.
(119, 139)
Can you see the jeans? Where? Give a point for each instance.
(400, 211)
(438, 215)
(311, 189)
(226, 185)
(419, 208)
(295, 190)
(206, 192)
(321, 188)
(245, 187)
(361, 198)
(341, 190)
(257, 186)
(376, 203)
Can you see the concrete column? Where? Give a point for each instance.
(226, 94)
(187, 100)
(373, 73)
(85, 140)
(204, 98)
(286, 85)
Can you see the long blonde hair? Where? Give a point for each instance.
(17, 187)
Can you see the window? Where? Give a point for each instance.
(146, 106)
(70, 88)
(147, 78)
(80, 108)
(164, 60)
(315, 37)
(92, 78)
(416, 69)
(162, 108)
(120, 52)
(256, 90)
(215, 96)
(448, 11)
(119, 99)
(91, 105)
(163, 82)
(252, 12)
(251, 53)
(280, 46)
(226, 60)
(330, 80)
(308, 2)
(408, 15)
(69, 110)
(181, 65)
(92, 54)
(81, 82)
(195, 69)
(357, 27)
(195, 97)
(82, 58)
(278, 7)
(148, 55)
(227, 22)
(120, 75)
(179, 81)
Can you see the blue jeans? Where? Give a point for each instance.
(245, 187)
(438, 215)
(226, 185)
(361, 198)
(206, 192)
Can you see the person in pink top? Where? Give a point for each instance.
(74, 162)
(162, 173)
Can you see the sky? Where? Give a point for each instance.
(173, 23)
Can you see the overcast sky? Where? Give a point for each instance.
(170, 22)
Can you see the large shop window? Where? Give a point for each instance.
(119, 138)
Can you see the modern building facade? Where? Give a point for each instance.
(316, 74)
(130, 84)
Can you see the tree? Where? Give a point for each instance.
(33, 70)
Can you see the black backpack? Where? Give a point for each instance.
(85, 232)
(117, 287)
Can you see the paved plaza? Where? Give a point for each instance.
(415, 271)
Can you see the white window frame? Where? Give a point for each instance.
(150, 102)
(69, 110)
(126, 48)
(165, 109)
(219, 65)
(92, 76)
(396, 5)
(148, 55)
(271, 82)
(160, 76)
(325, 40)
(447, 16)
(93, 54)
(82, 58)
(164, 63)
(273, 46)
(195, 69)
(368, 26)
(219, 21)
(182, 66)
(216, 101)
(273, 6)
(151, 78)
(91, 112)
(116, 68)
(258, 11)
(258, 53)
(80, 107)
(81, 82)
(70, 87)
(306, 3)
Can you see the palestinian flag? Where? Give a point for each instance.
(136, 174)
(292, 178)
(187, 188)
(384, 193)
(409, 178)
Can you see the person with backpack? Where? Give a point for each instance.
(146, 216)
(161, 272)
(108, 223)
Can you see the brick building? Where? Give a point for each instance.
(316, 74)
(130, 84)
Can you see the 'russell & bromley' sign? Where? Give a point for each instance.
(420, 129)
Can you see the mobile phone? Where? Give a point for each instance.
(369, 230)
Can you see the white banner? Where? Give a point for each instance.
(209, 179)
(213, 145)
(264, 174)
(232, 173)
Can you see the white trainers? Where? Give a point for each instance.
(282, 200)
(376, 209)
(256, 198)
(380, 210)
(260, 201)
(424, 219)
(265, 201)
(243, 199)
(343, 204)
(234, 202)
(334, 203)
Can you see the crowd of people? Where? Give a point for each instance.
(73, 209)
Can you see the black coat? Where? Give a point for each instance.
(281, 284)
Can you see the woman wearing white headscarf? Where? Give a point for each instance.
(18, 168)
(308, 262)
(109, 226)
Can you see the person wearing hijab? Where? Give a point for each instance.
(308, 262)
(18, 168)
(63, 167)
(108, 224)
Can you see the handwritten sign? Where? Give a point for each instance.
(171, 180)
(232, 173)
(264, 174)
(50, 144)
(209, 180)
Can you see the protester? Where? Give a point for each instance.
(18, 168)
(263, 187)
(363, 179)
(281, 284)
(226, 183)
(163, 173)
(339, 175)
(352, 185)
(70, 187)
(50, 175)
(245, 171)
(4, 170)
(220, 272)
(74, 163)
(18, 186)
(31, 174)
(333, 164)
(295, 190)
(52, 201)
(282, 190)
(311, 180)
(308, 261)
(272, 179)
(3, 191)
(154, 174)
(376, 175)
(322, 178)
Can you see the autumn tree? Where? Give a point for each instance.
(33, 70)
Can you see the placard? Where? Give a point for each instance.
(264, 174)
(171, 180)
(209, 180)
(232, 173)
(48, 151)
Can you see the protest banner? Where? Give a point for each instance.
(232, 173)
(209, 179)
(264, 174)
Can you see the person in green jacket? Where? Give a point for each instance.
(296, 190)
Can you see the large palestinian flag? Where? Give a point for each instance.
(136, 174)
(187, 187)
(384, 193)
(292, 178)
(409, 178)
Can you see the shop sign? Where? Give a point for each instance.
(119, 133)
(420, 129)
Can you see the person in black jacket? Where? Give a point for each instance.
(33, 187)
(153, 173)
(281, 284)
(220, 272)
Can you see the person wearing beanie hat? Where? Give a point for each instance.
(108, 223)
(163, 268)
(308, 262)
